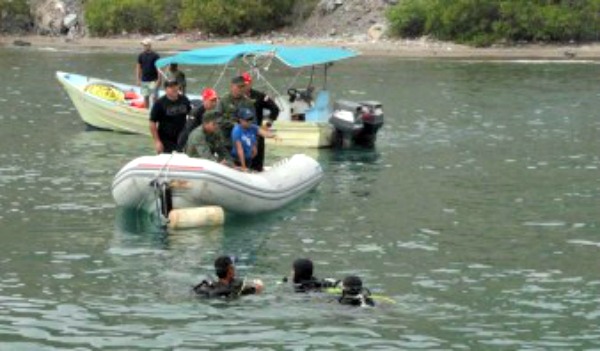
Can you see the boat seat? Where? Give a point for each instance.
(321, 111)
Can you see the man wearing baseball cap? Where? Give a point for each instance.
(231, 103)
(262, 102)
(207, 142)
(146, 73)
(243, 137)
(209, 103)
(168, 117)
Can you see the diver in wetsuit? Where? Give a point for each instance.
(354, 294)
(303, 280)
(227, 286)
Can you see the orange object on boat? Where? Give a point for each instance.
(132, 95)
(138, 104)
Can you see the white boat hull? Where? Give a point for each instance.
(198, 182)
(120, 117)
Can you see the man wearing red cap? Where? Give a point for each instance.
(209, 103)
(262, 102)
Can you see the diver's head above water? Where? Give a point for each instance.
(224, 269)
(302, 270)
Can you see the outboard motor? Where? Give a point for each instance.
(356, 123)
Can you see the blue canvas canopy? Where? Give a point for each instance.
(295, 57)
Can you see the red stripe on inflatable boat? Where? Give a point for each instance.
(171, 167)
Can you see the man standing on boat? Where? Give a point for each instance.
(207, 142)
(231, 103)
(244, 136)
(147, 74)
(262, 102)
(168, 117)
(173, 73)
(210, 99)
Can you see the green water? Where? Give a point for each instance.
(477, 213)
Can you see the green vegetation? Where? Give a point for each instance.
(105, 17)
(484, 22)
(14, 15)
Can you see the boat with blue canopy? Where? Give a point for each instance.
(294, 57)
(308, 118)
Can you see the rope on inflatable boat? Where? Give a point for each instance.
(159, 195)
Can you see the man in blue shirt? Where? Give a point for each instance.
(243, 138)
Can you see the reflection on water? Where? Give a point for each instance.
(477, 213)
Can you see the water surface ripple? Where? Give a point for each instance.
(477, 214)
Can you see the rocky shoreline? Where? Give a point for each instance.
(355, 24)
(409, 49)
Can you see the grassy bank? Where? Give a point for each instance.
(485, 22)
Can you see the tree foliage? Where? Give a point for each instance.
(229, 17)
(484, 22)
(14, 15)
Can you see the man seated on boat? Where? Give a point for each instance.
(173, 73)
(231, 103)
(244, 136)
(262, 102)
(209, 103)
(168, 117)
(146, 73)
(303, 279)
(207, 142)
(227, 286)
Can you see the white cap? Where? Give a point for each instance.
(146, 42)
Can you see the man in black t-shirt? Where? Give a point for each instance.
(147, 74)
(168, 118)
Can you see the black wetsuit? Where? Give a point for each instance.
(356, 298)
(209, 289)
(314, 284)
(262, 102)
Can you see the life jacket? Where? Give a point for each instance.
(138, 104)
(105, 91)
(132, 95)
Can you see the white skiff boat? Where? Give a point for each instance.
(109, 109)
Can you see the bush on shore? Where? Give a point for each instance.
(484, 22)
(15, 16)
(107, 17)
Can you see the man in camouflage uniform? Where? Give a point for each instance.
(230, 104)
(207, 142)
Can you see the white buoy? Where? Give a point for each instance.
(195, 217)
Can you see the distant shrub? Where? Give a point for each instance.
(105, 17)
(483, 22)
(15, 15)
